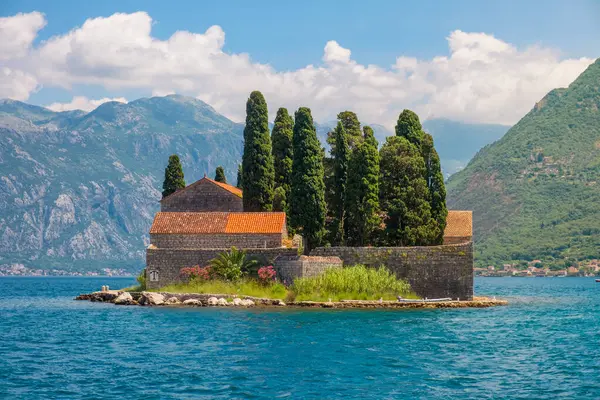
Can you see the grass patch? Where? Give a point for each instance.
(351, 283)
(244, 287)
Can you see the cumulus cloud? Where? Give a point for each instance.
(481, 79)
(83, 103)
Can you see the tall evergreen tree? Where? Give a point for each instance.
(173, 176)
(404, 195)
(336, 206)
(279, 199)
(220, 175)
(257, 162)
(437, 188)
(362, 193)
(409, 127)
(307, 199)
(351, 125)
(283, 130)
(239, 180)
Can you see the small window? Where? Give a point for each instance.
(153, 276)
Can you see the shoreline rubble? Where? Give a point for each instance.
(166, 299)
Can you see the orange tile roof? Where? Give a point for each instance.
(229, 188)
(459, 224)
(187, 223)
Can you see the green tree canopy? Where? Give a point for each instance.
(307, 200)
(351, 126)
(257, 162)
(239, 180)
(362, 193)
(340, 156)
(220, 175)
(437, 188)
(173, 176)
(279, 199)
(409, 127)
(283, 131)
(404, 195)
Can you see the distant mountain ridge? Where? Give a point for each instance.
(535, 193)
(78, 190)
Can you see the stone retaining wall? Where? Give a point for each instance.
(433, 272)
(290, 267)
(163, 265)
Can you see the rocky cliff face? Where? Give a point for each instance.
(78, 191)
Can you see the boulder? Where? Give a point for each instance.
(192, 302)
(152, 299)
(222, 302)
(172, 300)
(124, 298)
(247, 303)
(212, 301)
(237, 301)
(279, 303)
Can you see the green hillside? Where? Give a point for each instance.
(535, 193)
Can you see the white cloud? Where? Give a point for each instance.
(18, 33)
(83, 103)
(482, 79)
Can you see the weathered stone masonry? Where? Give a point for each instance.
(168, 262)
(203, 195)
(290, 267)
(216, 241)
(433, 272)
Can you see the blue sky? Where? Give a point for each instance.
(288, 36)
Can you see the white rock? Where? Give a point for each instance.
(124, 298)
(280, 303)
(153, 299)
(247, 303)
(192, 302)
(222, 302)
(172, 300)
(212, 301)
(237, 301)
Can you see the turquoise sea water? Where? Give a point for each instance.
(544, 345)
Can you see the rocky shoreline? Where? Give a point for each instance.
(224, 300)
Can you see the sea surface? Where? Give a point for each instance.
(544, 345)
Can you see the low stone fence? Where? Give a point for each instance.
(290, 267)
(163, 265)
(432, 271)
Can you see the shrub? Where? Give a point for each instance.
(196, 272)
(266, 275)
(356, 282)
(141, 279)
(231, 265)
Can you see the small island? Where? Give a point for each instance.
(360, 228)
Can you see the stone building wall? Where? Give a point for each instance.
(216, 241)
(290, 267)
(433, 272)
(164, 264)
(204, 196)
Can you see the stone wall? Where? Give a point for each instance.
(433, 272)
(216, 241)
(290, 267)
(203, 196)
(164, 264)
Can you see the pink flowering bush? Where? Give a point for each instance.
(266, 274)
(196, 273)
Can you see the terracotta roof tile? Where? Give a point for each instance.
(217, 222)
(459, 224)
(268, 222)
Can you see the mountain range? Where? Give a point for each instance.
(535, 193)
(78, 190)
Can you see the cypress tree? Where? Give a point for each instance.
(437, 188)
(340, 156)
(257, 161)
(283, 130)
(279, 199)
(409, 127)
(239, 181)
(404, 195)
(362, 193)
(307, 198)
(173, 176)
(220, 175)
(351, 125)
